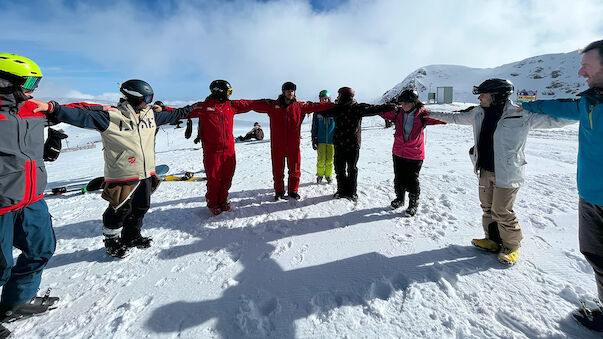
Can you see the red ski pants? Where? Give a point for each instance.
(219, 169)
(278, 169)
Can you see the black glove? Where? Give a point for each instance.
(197, 140)
(53, 145)
(314, 145)
(189, 129)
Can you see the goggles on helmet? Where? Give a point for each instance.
(148, 99)
(476, 90)
(31, 83)
(229, 91)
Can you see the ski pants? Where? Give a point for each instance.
(127, 217)
(346, 170)
(30, 230)
(590, 235)
(497, 206)
(406, 176)
(324, 160)
(219, 169)
(278, 169)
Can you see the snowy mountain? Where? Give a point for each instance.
(552, 75)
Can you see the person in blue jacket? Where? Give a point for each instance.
(588, 109)
(322, 141)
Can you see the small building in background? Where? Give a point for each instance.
(444, 94)
(526, 95)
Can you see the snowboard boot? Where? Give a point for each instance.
(36, 306)
(294, 195)
(138, 242)
(589, 318)
(279, 196)
(115, 247)
(486, 244)
(413, 204)
(329, 180)
(507, 256)
(225, 207)
(338, 195)
(215, 210)
(353, 197)
(318, 179)
(396, 203)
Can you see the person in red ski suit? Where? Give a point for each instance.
(286, 115)
(216, 115)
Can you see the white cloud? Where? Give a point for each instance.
(368, 45)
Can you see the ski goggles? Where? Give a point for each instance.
(229, 91)
(148, 98)
(31, 83)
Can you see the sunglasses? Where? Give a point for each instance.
(31, 83)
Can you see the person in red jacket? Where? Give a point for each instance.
(409, 147)
(216, 115)
(286, 115)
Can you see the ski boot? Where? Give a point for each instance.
(507, 256)
(329, 180)
(279, 196)
(413, 204)
(318, 179)
(396, 203)
(138, 242)
(486, 244)
(225, 207)
(36, 306)
(215, 210)
(115, 247)
(353, 197)
(338, 195)
(590, 318)
(294, 195)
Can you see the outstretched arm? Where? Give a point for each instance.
(538, 120)
(367, 110)
(94, 116)
(464, 117)
(560, 108)
(171, 117)
(309, 107)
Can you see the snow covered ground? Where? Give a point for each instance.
(320, 267)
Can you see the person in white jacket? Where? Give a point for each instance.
(500, 131)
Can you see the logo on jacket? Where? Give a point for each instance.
(132, 160)
(211, 109)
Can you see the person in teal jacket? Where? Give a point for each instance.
(588, 109)
(322, 141)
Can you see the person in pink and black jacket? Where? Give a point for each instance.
(409, 147)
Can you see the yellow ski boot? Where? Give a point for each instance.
(486, 244)
(507, 256)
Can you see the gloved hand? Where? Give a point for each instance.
(197, 140)
(189, 129)
(314, 145)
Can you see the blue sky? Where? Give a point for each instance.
(88, 47)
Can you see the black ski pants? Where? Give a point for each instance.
(346, 170)
(406, 176)
(128, 216)
(590, 236)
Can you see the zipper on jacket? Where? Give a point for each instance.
(144, 158)
(590, 115)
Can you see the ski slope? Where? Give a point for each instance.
(319, 267)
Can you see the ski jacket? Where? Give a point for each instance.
(216, 122)
(348, 122)
(22, 172)
(414, 147)
(286, 120)
(588, 109)
(509, 138)
(322, 129)
(128, 137)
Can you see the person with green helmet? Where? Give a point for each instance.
(24, 218)
(322, 141)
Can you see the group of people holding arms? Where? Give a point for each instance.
(128, 133)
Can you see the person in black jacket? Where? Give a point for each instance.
(255, 133)
(348, 122)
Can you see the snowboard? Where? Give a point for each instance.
(37, 306)
(188, 176)
(590, 318)
(97, 183)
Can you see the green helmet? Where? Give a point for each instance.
(20, 70)
(324, 93)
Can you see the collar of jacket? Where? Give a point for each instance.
(281, 101)
(347, 102)
(595, 94)
(8, 100)
(126, 109)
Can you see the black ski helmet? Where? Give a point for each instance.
(494, 85)
(220, 88)
(408, 95)
(288, 86)
(137, 91)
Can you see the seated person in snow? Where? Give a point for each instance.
(256, 133)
